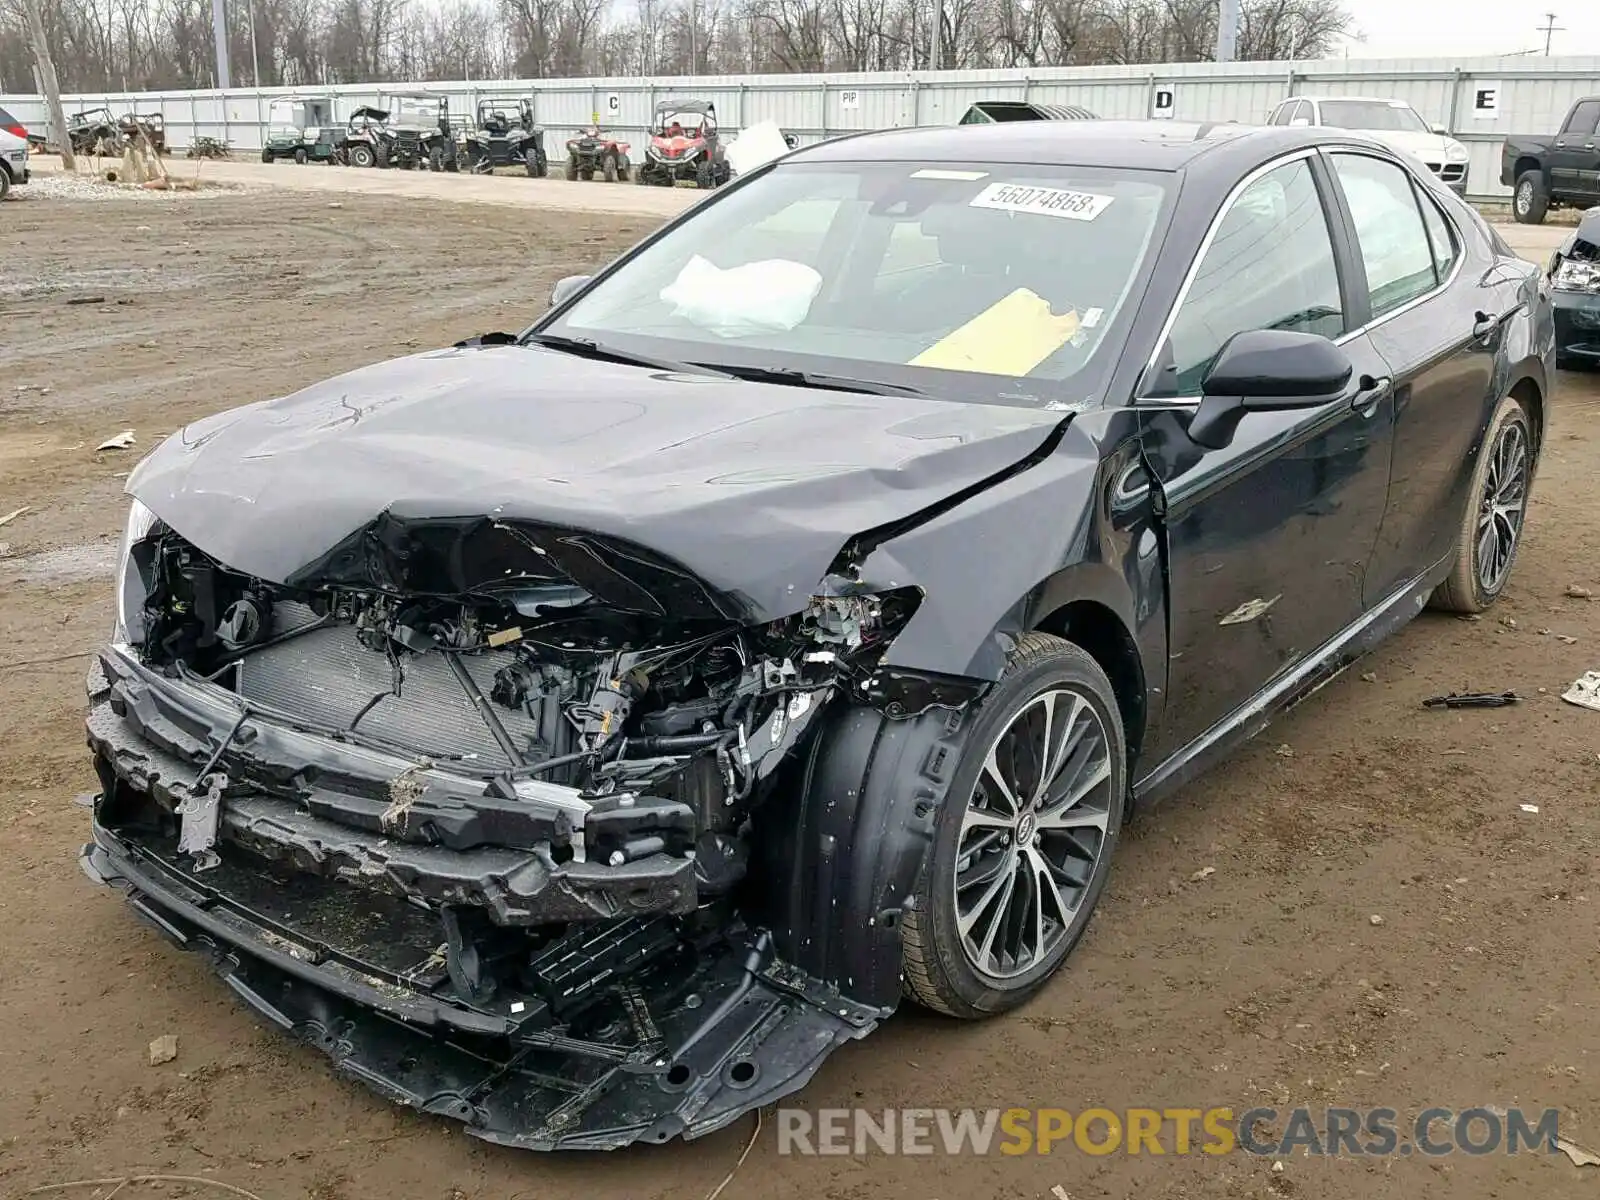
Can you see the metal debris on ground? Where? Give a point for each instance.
(1585, 691)
(1472, 700)
(1579, 592)
(13, 515)
(1529, 808)
(121, 441)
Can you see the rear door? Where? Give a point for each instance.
(1575, 155)
(1266, 540)
(1437, 325)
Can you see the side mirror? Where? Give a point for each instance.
(1440, 130)
(1266, 370)
(566, 288)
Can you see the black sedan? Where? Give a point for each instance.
(582, 732)
(1575, 281)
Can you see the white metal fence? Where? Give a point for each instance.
(1479, 102)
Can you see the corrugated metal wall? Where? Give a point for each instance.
(1533, 94)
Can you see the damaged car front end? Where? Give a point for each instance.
(471, 802)
(1575, 291)
(510, 816)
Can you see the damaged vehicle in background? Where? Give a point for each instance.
(1575, 281)
(581, 733)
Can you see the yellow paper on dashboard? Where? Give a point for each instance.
(1011, 337)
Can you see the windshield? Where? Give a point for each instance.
(1372, 114)
(412, 112)
(988, 282)
(686, 122)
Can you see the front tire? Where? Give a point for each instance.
(1531, 200)
(608, 169)
(1491, 527)
(362, 156)
(300, 157)
(1024, 843)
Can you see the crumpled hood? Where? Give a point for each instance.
(753, 487)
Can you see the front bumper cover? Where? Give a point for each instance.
(1577, 325)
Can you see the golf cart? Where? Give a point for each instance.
(684, 145)
(505, 136)
(366, 138)
(592, 151)
(420, 135)
(95, 131)
(300, 128)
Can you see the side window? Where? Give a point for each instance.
(1270, 266)
(1394, 244)
(1441, 237)
(1303, 112)
(1280, 115)
(1585, 116)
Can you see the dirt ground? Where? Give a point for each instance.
(1266, 981)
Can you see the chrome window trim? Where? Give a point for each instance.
(1188, 402)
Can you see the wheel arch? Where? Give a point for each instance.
(1524, 164)
(1097, 629)
(1528, 390)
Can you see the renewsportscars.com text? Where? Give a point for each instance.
(1333, 1132)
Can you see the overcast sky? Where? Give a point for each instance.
(1451, 28)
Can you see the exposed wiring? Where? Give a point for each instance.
(748, 1146)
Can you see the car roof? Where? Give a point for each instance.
(1136, 145)
(1358, 99)
(1048, 112)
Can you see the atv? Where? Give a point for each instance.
(592, 151)
(419, 123)
(506, 136)
(95, 131)
(152, 125)
(684, 145)
(366, 139)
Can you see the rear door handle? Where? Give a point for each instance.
(1370, 391)
(1485, 324)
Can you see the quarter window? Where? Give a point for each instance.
(1441, 237)
(1270, 266)
(1394, 242)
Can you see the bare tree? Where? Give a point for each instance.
(115, 45)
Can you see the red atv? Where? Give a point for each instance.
(684, 145)
(592, 151)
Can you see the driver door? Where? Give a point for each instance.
(1266, 540)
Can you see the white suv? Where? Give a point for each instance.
(13, 153)
(1393, 122)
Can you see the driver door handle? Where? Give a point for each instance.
(1485, 324)
(1370, 391)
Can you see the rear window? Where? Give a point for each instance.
(7, 119)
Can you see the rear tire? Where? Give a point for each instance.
(1009, 886)
(1531, 200)
(5, 182)
(1491, 526)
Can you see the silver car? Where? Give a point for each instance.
(13, 153)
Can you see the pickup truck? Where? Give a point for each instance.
(1555, 172)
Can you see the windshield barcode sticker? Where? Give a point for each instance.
(1052, 202)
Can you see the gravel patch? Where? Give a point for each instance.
(82, 186)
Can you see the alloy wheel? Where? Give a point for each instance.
(1524, 197)
(1505, 494)
(1034, 829)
